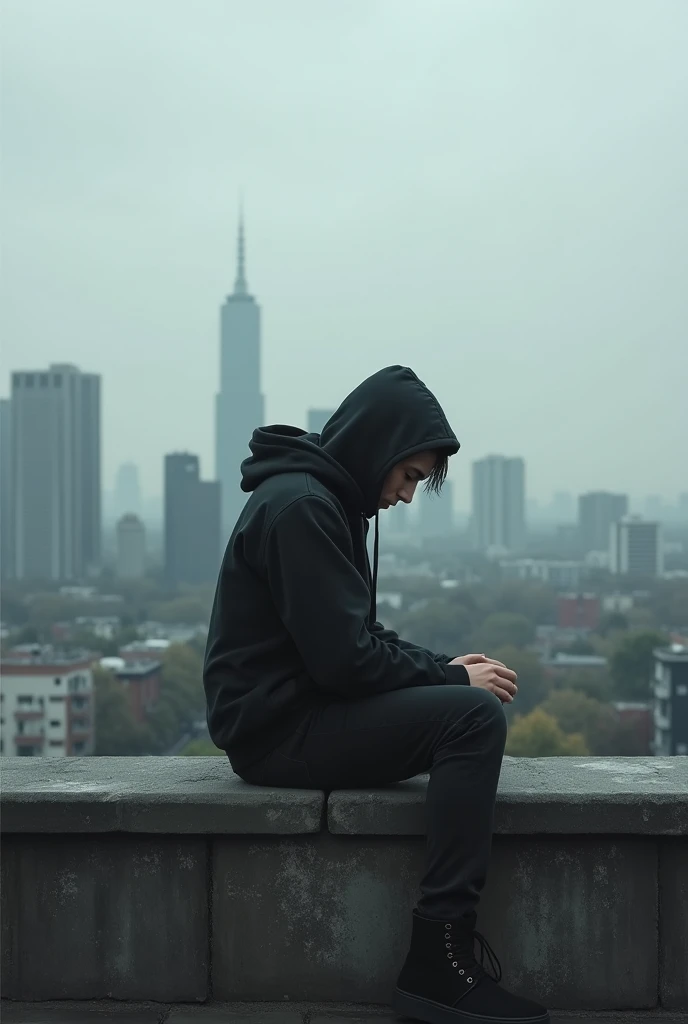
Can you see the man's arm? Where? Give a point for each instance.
(390, 637)
(324, 602)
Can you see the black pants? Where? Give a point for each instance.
(456, 733)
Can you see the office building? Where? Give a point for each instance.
(635, 548)
(670, 695)
(436, 511)
(597, 510)
(317, 418)
(239, 404)
(47, 703)
(56, 473)
(498, 511)
(131, 547)
(127, 493)
(192, 522)
(6, 491)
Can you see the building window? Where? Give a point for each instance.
(57, 380)
(58, 681)
(56, 723)
(24, 751)
(44, 380)
(2, 746)
(28, 380)
(57, 700)
(79, 747)
(682, 690)
(79, 702)
(24, 700)
(2, 721)
(56, 743)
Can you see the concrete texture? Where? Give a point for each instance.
(574, 922)
(673, 923)
(636, 795)
(185, 795)
(269, 1013)
(94, 918)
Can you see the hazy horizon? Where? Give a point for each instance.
(492, 194)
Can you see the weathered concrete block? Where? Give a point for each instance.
(119, 917)
(309, 919)
(172, 795)
(46, 1013)
(574, 922)
(560, 795)
(673, 923)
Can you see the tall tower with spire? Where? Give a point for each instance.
(239, 404)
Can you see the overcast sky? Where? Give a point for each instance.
(494, 193)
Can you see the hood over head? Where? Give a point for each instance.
(388, 417)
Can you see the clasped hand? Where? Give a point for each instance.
(490, 675)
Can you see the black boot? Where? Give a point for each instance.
(441, 981)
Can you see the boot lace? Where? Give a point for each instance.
(476, 969)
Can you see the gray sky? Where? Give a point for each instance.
(494, 193)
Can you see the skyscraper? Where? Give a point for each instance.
(127, 495)
(499, 503)
(597, 510)
(192, 522)
(6, 490)
(56, 473)
(437, 512)
(131, 547)
(239, 405)
(635, 547)
(317, 418)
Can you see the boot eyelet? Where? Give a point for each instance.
(455, 964)
(461, 972)
(447, 945)
(449, 956)
(448, 927)
(469, 980)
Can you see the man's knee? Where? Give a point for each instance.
(490, 709)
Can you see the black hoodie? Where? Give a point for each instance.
(293, 622)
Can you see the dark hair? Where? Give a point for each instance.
(438, 474)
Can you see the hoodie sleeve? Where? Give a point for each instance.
(390, 637)
(324, 602)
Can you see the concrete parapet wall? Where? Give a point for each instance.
(170, 879)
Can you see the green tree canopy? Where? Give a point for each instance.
(539, 735)
(504, 629)
(117, 732)
(631, 664)
(576, 713)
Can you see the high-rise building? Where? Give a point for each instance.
(192, 522)
(499, 503)
(317, 418)
(127, 493)
(635, 548)
(597, 510)
(239, 404)
(56, 473)
(131, 547)
(670, 693)
(437, 512)
(6, 490)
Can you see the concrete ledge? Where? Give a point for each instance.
(200, 795)
(170, 795)
(565, 795)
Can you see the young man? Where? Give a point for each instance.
(306, 689)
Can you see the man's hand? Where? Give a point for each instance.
(490, 675)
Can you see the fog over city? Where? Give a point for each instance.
(491, 193)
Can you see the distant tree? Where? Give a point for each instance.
(533, 685)
(539, 735)
(631, 664)
(442, 626)
(504, 629)
(189, 610)
(612, 622)
(593, 682)
(576, 713)
(201, 748)
(117, 732)
(537, 601)
(578, 646)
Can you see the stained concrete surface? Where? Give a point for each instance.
(95, 917)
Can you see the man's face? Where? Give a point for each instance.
(401, 482)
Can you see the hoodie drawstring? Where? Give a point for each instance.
(373, 596)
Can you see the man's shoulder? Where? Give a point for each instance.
(287, 489)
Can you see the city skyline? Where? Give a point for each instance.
(525, 254)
